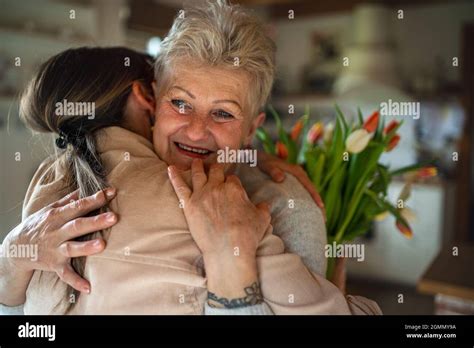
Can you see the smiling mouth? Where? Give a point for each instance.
(191, 151)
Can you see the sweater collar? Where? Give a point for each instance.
(121, 139)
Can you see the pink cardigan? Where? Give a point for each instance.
(151, 264)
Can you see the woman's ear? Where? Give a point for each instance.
(143, 97)
(255, 123)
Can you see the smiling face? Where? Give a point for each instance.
(202, 110)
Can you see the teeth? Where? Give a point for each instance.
(191, 149)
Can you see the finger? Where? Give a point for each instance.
(180, 187)
(304, 180)
(81, 226)
(264, 208)
(199, 177)
(320, 204)
(67, 274)
(234, 179)
(87, 204)
(78, 249)
(271, 166)
(236, 184)
(276, 174)
(73, 196)
(216, 174)
(308, 185)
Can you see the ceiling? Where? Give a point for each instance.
(156, 16)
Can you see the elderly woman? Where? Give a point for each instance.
(212, 78)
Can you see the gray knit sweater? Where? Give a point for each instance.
(296, 220)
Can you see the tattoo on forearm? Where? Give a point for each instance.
(253, 297)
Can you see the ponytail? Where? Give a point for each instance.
(95, 75)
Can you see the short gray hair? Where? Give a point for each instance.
(222, 35)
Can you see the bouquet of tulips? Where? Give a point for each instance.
(342, 161)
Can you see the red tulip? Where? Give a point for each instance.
(426, 172)
(391, 126)
(404, 229)
(296, 130)
(393, 142)
(370, 125)
(315, 133)
(281, 150)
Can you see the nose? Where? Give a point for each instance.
(197, 128)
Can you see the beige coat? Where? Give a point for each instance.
(151, 264)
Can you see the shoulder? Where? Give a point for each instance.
(296, 218)
(46, 186)
(286, 197)
(258, 183)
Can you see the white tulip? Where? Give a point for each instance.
(358, 140)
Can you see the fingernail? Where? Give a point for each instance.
(97, 243)
(110, 217)
(87, 289)
(110, 192)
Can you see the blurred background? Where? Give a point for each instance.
(350, 52)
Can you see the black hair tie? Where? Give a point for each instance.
(61, 141)
(73, 135)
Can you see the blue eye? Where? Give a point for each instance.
(224, 115)
(181, 105)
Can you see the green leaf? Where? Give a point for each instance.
(336, 150)
(292, 150)
(393, 210)
(311, 158)
(360, 116)
(315, 160)
(342, 117)
(319, 171)
(359, 215)
(266, 141)
(382, 180)
(275, 116)
(333, 196)
(359, 230)
(304, 144)
(361, 165)
(378, 136)
(284, 138)
(352, 199)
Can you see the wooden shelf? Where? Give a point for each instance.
(449, 274)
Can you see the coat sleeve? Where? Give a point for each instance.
(288, 287)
